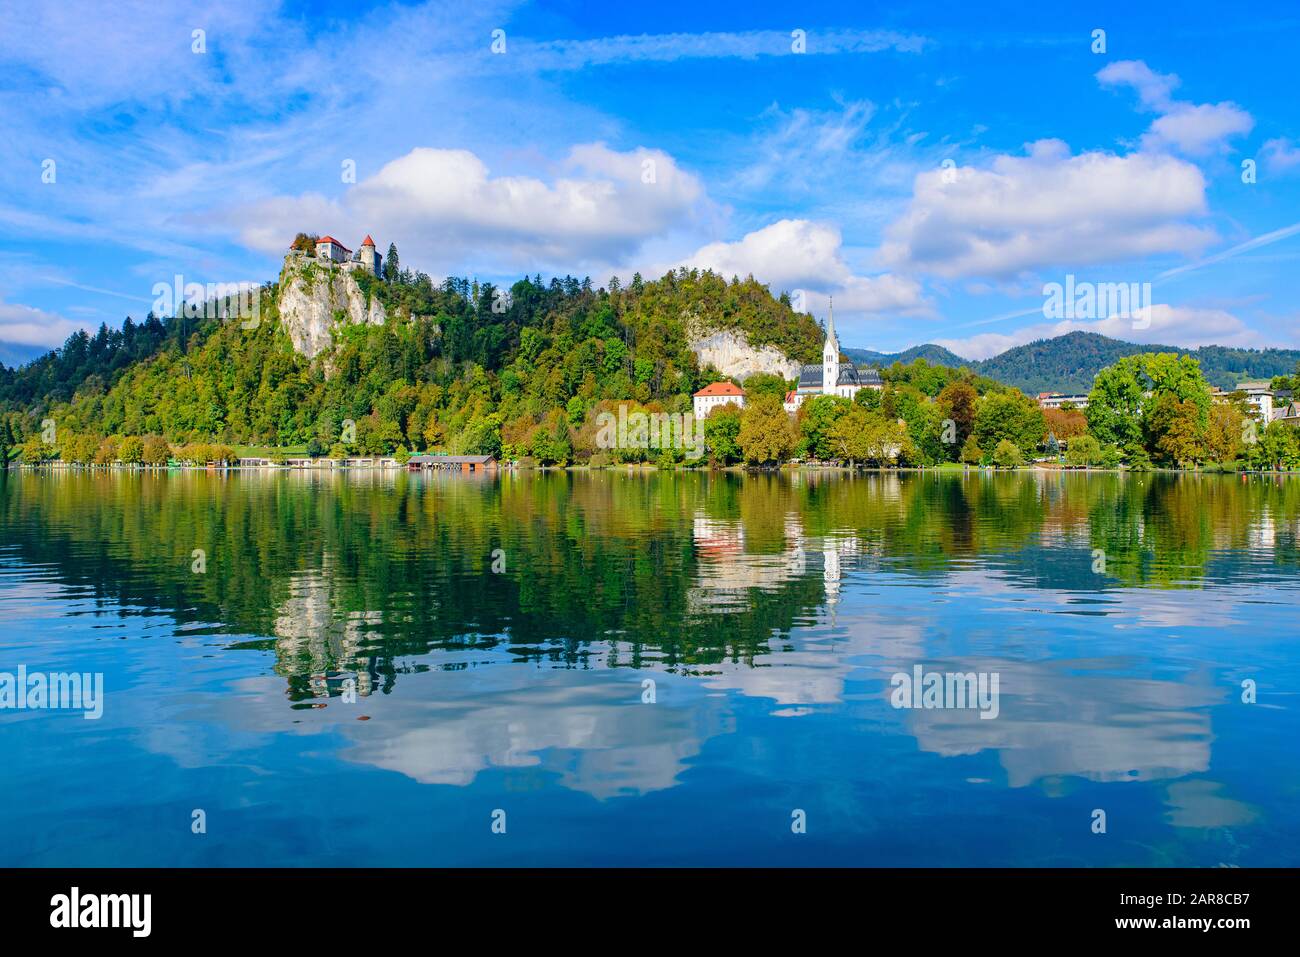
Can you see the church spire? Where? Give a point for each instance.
(830, 356)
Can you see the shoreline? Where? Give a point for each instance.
(332, 467)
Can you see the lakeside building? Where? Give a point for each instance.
(832, 377)
(1055, 400)
(716, 394)
(1259, 396)
(462, 463)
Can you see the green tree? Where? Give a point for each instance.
(722, 434)
(1009, 416)
(131, 450)
(816, 420)
(1007, 455)
(766, 383)
(1278, 447)
(1084, 450)
(1114, 411)
(392, 266)
(971, 453)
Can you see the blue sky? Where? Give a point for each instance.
(930, 168)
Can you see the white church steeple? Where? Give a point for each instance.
(830, 355)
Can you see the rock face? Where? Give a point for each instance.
(314, 296)
(732, 355)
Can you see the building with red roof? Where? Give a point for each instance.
(715, 394)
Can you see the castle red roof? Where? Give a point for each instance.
(367, 241)
(721, 388)
(331, 239)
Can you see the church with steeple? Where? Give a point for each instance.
(832, 377)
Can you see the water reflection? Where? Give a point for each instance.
(767, 612)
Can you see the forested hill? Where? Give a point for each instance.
(456, 366)
(935, 355)
(1069, 363)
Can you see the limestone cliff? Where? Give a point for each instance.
(314, 296)
(732, 355)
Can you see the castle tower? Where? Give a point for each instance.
(830, 356)
(370, 258)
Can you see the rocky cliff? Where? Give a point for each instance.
(314, 297)
(732, 355)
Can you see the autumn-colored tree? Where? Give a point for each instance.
(106, 454)
(957, 402)
(1225, 436)
(1175, 431)
(766, 434)
(156, 450)
(131, 450)
(1065, 424)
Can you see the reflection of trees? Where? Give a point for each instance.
(364, 573)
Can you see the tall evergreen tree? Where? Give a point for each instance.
(392, 266)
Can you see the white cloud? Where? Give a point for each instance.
(33, 327)
(445, 207)
(1200, 129)
(1154, 89)
(1185, 326)
(1048, 208)
(1280, 155)
(669, 47)
(795, 254)
(1194, 129)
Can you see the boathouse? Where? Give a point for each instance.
(462, 463)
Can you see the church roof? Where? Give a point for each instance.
(810, 377)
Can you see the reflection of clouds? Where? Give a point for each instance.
(447, 726)
(1199, 804)
(594, 733)
(816, 668)
(1124, 607)
(1072, 718)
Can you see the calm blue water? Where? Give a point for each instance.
(770, 613)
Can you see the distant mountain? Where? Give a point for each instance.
(935, 355)
(1069, 363)
(14, 354)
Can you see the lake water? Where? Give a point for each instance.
(372, 669)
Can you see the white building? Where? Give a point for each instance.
(327, 247)
(715, 394)
(1055, 400)
(832, 377)
(1259, 396)
(368, 258)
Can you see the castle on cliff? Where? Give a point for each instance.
(331, 250)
